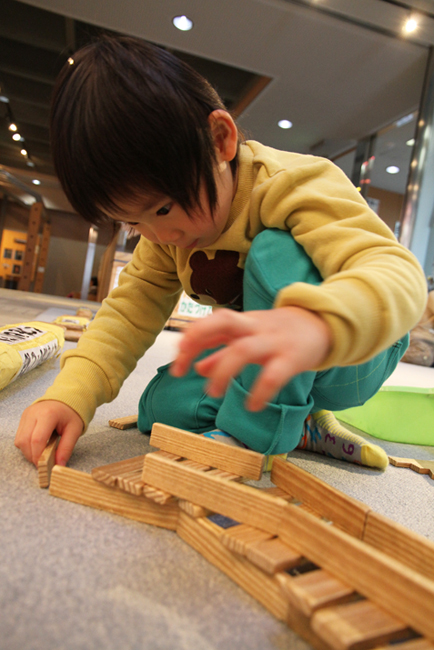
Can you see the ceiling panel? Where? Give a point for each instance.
(336, 80)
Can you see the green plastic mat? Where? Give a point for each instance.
(396, 413)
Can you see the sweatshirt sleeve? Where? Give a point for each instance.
(374, 290)
(125, 326)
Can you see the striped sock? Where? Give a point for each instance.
(323, 434)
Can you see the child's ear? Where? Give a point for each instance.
(225, 135)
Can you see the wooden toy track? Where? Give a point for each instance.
(339, 574)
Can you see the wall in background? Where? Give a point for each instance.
(67, 249)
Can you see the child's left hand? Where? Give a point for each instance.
(285, 341)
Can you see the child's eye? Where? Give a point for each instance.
(164, 210)
(129, 228)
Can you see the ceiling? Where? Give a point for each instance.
(339, 70)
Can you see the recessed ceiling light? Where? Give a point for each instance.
(410, 143)
(36, 181)
(183, 23)
(23, 152)
(392, 169)
(410, 25)
(284, 124)
(16, 137)
(12, 127)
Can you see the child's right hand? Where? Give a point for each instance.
(38, 423)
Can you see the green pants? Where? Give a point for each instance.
(278, 428)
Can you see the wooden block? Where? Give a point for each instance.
(194, 464)
(238, 538)
(124, 474)
(243, 503)
(316, 589)
(72, 335)
(399, 590)
(273, 556)
(47, 460)
(127, 476)
(203, 535)
(166, 454)
(277, 492)
(157, 495)
(227, 475)
(236, 460)
(131, 482)
(419, 466)
(404, 545)
(345, 512)
(192, 509)
(356, 626)
(127, 422)
(72, 485)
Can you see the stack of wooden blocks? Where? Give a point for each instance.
(339, 574)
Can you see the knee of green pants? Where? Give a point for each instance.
(263, 278)
(275, 430)
(178, 402)
(341, 388)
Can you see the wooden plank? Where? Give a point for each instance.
(203, 535)
(192, 509)
(399, 590)
(236, 460)
(404, 545)
(129, 470)
(238, 538)
(157, 495)
(240, 502)
(72, 485)
(188, 462)
(127, 422)
(273, 556)
(356, 626)
(131, 482)
(316, 589)
(47, 460)
(226, 475)
(345, 512)
(277, 492)
(127, 476)
(419, 466)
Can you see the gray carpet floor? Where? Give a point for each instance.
(76, 578)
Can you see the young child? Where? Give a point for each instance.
(319, 295)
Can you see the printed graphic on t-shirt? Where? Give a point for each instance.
(219, 280)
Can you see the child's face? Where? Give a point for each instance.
(164, 222)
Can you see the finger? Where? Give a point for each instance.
(229, 362)
(39, 439)
(23, 441)
(216, 330)
(275, 375)
(205, 366)
(67, 443)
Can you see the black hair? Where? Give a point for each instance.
(129, 118)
